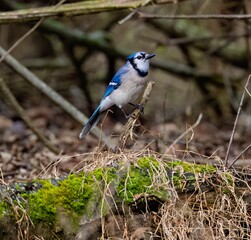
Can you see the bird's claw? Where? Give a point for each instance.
(132, 115)
(141, 108)
(138, 106)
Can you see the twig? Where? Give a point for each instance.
(21, 39)
(248, 92)
(191, 40)
(236, 120)
(130, 15)
(27, 34)
(184, 133)
(128, 128)
(12, 100)
(237, 157)
(195, 17)
(247, 28)
(53, 95)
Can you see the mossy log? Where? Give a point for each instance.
(116, 200)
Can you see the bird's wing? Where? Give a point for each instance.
(115, 82)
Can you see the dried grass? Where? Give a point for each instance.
(221, 213)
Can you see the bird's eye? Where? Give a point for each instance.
(139, 57)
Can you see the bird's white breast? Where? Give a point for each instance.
(132, 85)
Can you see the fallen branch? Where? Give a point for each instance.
(52, 94)
(14, 103)
(128, 128)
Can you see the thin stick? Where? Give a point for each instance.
(185, 133)
(130, 15)
(195, 17)
(128, 128)
(13, 102)
(235, 122)
(236, 158)
(27, 34)
(248, 92)
(53, 95)
(21, 39)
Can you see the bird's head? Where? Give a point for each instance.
(140, 62)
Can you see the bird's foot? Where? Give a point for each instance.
(138, 106)
(131, 115)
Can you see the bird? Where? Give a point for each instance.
(125, 88)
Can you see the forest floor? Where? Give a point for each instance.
(23, 157)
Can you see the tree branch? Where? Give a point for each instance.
(52, 94)
(233, 53)
(235, 125)
(14, 103)
(74, 9)
(195, 17)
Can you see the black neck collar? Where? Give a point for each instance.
(141, 73)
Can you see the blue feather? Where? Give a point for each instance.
(132, 56)
(139, 62)
(115, 82)
(92, 122)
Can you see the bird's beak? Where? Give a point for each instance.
(150, 56)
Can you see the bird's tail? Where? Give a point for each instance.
(92, 122)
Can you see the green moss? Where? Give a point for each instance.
(70, 196)
(148, 162)
(138, 180)
(183, 173)
(3, 209)
(84, 193)
(73, 193)
(42, 204)
(229, 178)
(182, 166)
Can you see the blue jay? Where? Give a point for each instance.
(124, 88)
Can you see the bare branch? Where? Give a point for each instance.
(27, 34)
(73, 9)
(52, 94)
(235, 122)
(237, 158)
(195, 17)
(14, 103)
(21, 39)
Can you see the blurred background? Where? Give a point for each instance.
(201, 66)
